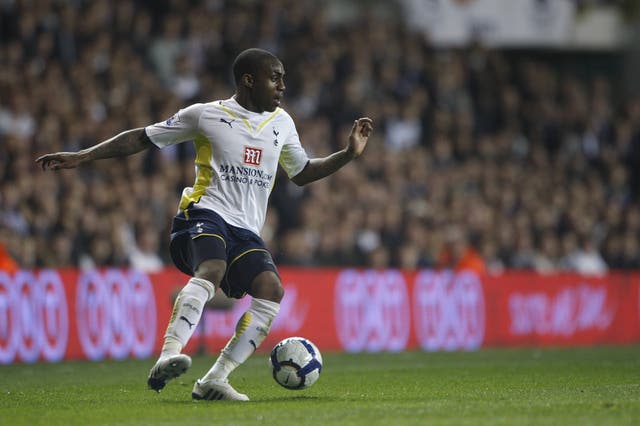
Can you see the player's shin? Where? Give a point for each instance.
(186, 314)
(251, 330)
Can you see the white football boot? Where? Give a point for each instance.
(167, 369)
(216, 390)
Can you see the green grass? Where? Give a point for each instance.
(586, 386)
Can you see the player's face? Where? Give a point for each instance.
(269, 86)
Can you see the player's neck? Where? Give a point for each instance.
(246, 102)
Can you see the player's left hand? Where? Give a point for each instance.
(359, 136)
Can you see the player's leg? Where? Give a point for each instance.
(185, 317)
(189, 303)
(252, 327)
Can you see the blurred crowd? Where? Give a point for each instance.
(478, 159)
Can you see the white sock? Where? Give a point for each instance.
(186, 314)
(251, 330)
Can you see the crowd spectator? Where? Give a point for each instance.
(534, 167)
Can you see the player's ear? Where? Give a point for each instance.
(247, 80)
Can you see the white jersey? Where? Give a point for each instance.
(237, 156)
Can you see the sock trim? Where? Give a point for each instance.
(267, 306)
(205, 284)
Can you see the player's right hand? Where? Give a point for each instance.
(60, 160)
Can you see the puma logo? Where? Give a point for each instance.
(227, 122)
(187, 321)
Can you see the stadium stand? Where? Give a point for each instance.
(509, 156)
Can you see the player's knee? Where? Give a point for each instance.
(278, 293)
(211, 270)
(267, 285)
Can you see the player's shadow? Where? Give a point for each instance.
(270, 400)
(301, 398)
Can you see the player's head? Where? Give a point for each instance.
(259, 77)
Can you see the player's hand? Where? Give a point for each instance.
(60, 160)
(359, 136)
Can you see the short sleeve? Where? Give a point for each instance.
(181, 127)
(293, 157)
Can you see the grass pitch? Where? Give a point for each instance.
(585, 386)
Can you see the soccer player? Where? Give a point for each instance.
(215, 235)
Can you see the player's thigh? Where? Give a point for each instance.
(212, 270)
(201, 257)
(267, 285)
(255, 273)
(209, 258)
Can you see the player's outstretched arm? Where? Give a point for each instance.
(319, 168)
(126, 143)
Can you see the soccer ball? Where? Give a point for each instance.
(295, 363)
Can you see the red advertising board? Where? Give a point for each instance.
(52, 315)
